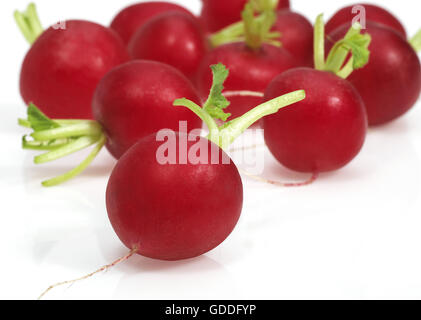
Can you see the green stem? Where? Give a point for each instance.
(79, 169)
(263, 5)
(204, 116)
(73, 130)
(346, 71)
(233, 129)
(29, 23)
(232, 33)
(354, 43)
(61, 138)
(340, 52)
(24, 123)
(319, 43)
(253, 30)
(415, 41)
(44, 145)
(67, 149)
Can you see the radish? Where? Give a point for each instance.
(132, 101)
(372, 13)
(182, 208)
(161, 210)
(296, 36)
(174, 38)
(390, 84)
(217, 14)
(66, 63)
(295, 30)
(130, 19)
(252, 64)
(328, 129)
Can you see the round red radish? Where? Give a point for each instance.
(296, 36)
(390, 84)
(322, 133)
(173, 211)
(130, 19)
(217, 14)
(373, 13)
(174, 38)
(250, 70)
(63, 67)
(136, 99)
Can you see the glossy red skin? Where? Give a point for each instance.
(250, 70)
(373, 13)
(173, 211)
(136, 99)
(130, 19)
(63, 67)
(173, 38)
(296, 36)
(322, 133)
(217, 14)
(390, 84)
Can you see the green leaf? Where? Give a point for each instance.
(257, 29)
(216, 102)
(38, 120)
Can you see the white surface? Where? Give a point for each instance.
(353, 234)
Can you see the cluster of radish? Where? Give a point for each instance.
(313, 89)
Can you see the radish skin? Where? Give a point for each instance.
(132, 18)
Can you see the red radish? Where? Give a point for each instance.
(130, 19)
(390, 84)
(131, 102)
(181, 197)
(295, 30)
(203, 199)
(174, 38)
(328, 129)
(252, 64)
(373, 13)
(63, 66)
(217, 14)
(173, 211)
(134, 101)
(296, 36)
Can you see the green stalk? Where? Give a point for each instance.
(79, 169)
(214, 107)
(340, 51)
(60, 138)
(67, 149)
(43, 145)
(73, 130)
(230, 34)
(319, 43)
(29, 23)
(263, 5)
(353, 43)
(226, 134)
(415, 41)
(204, 116)
(253, 30)
(234, 129)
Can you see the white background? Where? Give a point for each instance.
(354, 234)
